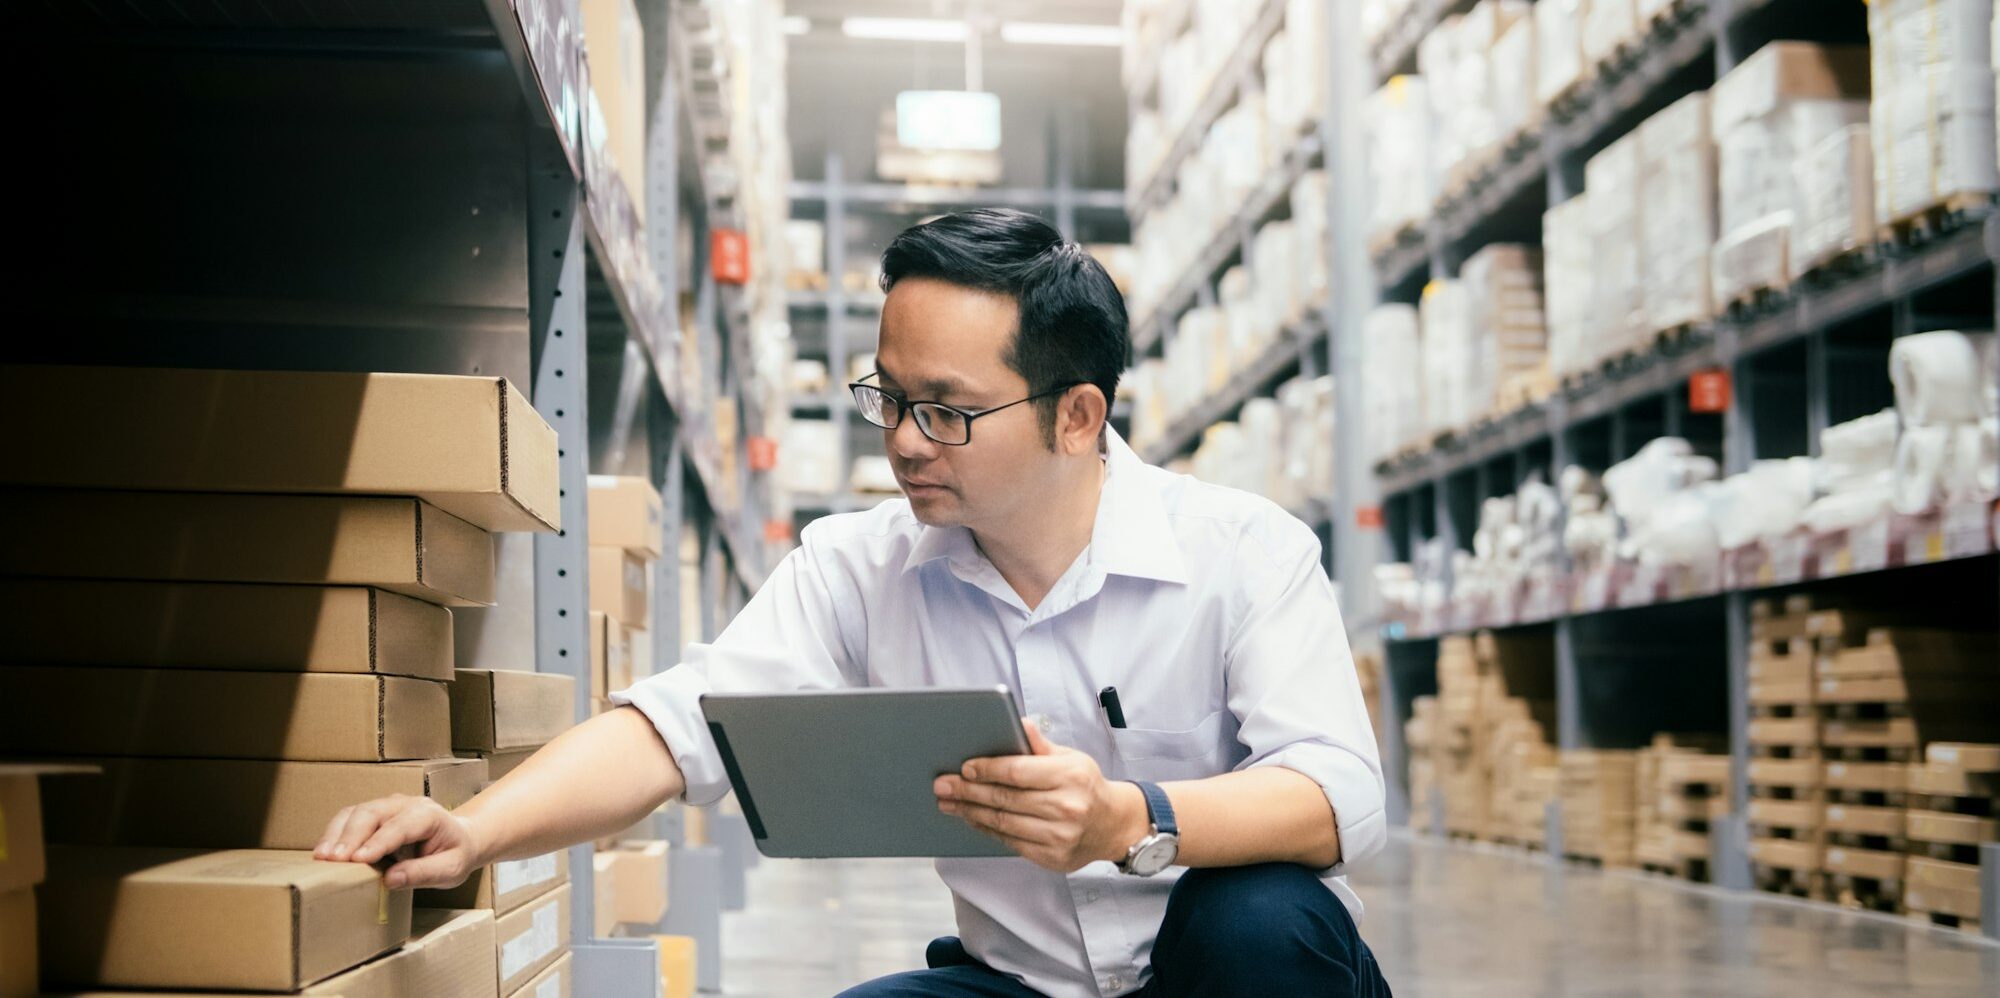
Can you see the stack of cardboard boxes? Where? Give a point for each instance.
(1683, 793)
(1599, 790)
(235, 602)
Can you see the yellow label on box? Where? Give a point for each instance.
(1843, 563)
(1934, 547)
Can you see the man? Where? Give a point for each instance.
(1033, 549)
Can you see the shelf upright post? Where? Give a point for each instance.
(1818, 388)
(1569, 689)
(1351, 293)
(836, 314)
(670, 472)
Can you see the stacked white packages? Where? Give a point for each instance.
(1558, 48)
(1311, 213)
(1949, 449)
(1836, 206)
(1856, 473)
(812, 455)
(1767, 113)
(1590, 534)
(1764, 502)
(1280, 448)
(1518, 538)
(1393, 388)
(1450, 357)
(1515, 107)
(1455, 111)
(1618, 293)
(1658, 496)
(1567, 263)
(1399, 158)
(1677, 230)
(1608, 25)
(1510, 358)
(1933, 103)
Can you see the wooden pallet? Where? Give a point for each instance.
(1840, 265)
(1917, 228)
(1786, 867)
(1954, 806)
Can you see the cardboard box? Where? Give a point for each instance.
(313, 716)
(503, 887)
(402, 545)
(22, 864)
(237, 804)
(619, 585)
(492, 710)
(499, 764)
(449, 955)
(677, 966)
(625, 512)
(221, 626)
(241, 919)
(610, 655)
(642, 887)
(1787, 71)
(555, 982)
(472, 447)
(20, 973)
(615, 46)
(532, 938)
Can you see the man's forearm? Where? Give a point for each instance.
(596, 779)
(1268, 814)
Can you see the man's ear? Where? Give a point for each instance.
(1081, 416)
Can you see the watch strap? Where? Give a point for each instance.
(1158, 807)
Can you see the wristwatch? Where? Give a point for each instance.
(1157, 850)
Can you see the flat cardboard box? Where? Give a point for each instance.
(604, 901)
(494, 710)
(242, 919)
(237, 803)
(449, 955)
(641, 869)
(619, 585)
(503, 887)
(533, 937)
(224, 626)
(23, 862)
(677, 966)
(555, 982)
(610, 656)
(1786, 71)
(310, 717)
(625, 512)
(471, 446)
(402, 545)
(20, 973)
(499, 764)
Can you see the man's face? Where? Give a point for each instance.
(944, 343)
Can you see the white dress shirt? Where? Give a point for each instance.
(1206, 607)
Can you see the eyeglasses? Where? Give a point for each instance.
(948, 425)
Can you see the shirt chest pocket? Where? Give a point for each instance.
(1156, 754)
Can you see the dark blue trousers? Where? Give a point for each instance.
(1258, 931)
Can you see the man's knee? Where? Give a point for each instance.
(1249, 913)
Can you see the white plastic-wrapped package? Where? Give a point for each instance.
(1311, 215)
(1306, 24)
(1618, 303)
(1449, 357)
(1567, 265)
(1449, 100)
(1753, 256)
(1513, 67)
(1558, 48)
(1608, 25)
(1970, 461)
(1933, 103)
(1261, 469)
(1835, 190)
(1639, 485)
(1393, 388)
(1920, 468)
(1275, 258)
(1857, 453)
(1510, 356)
(811, 449)
(1283, 103)
(1233, 295)
(1938, 379)
(1856, 507)
(1678, 226)
(1399, 155)
(1757, 157)
(1765, 501)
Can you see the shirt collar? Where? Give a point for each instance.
(1130, 537)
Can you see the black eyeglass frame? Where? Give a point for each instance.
(903, 405)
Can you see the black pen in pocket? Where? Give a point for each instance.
(1113, 711)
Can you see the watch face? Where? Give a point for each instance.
(1156, 855)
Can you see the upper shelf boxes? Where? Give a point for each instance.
(472, 447)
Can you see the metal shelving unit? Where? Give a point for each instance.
(1814, 357)
(407, 187)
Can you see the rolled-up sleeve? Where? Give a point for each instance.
(787, 638)
(1294, 692)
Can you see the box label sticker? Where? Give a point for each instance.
(522, 951)
(515, 874)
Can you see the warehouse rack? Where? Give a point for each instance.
(412, 187)
(1798, 364)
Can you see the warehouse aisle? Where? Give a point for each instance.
(1444, 919)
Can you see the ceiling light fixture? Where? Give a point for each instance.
(796, 24)
(1032, 33)
(903, 29)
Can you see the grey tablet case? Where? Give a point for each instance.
(843, 773)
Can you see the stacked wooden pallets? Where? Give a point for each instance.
(1683, 791)
(1784, 749)
(1954, 808)
(1599, 790)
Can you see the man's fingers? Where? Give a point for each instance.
(1029, 772)
(1005, 798)
(410, 826)
(442, 869)
(361, 823)
(1038, 743)
(1006, 824)
(332, 834)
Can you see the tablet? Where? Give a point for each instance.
(846, 773)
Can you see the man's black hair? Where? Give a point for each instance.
(1073, 327)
